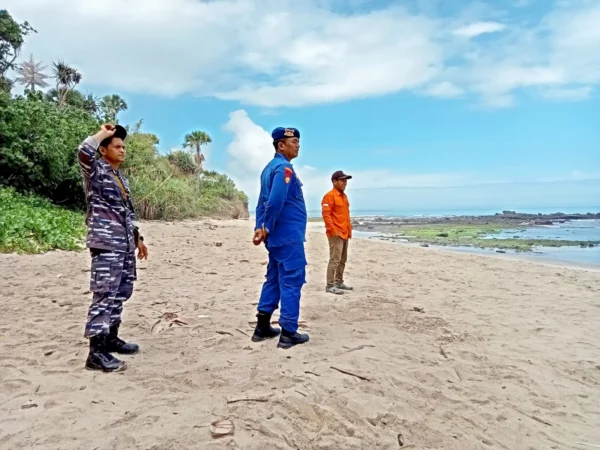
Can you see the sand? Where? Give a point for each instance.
(504, 355)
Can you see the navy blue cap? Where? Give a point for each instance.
(120, 132)
(282, 133)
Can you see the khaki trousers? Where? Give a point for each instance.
(338, 255)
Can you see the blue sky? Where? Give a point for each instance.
(430, 104)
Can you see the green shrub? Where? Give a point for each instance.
(163, 189)
(38, 154)
(183, 161)
(38, 147)
(159, 192)
(30, 224)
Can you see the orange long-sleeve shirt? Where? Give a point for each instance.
(335, 209)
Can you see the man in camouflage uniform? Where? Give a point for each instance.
(112, 239)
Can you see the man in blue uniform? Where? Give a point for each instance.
(281, 224)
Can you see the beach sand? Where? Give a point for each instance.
(504, 355)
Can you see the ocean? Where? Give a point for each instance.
(579, 230)
(576, 230)
(463, 212)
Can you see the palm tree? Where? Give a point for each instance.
(31, 74)
(111, 105)
(91, 104)
(195, 140)
(66, 79)
(12, 38)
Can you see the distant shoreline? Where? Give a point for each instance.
(512, 256)
(507, 217)
(570, 238)
(429, 215)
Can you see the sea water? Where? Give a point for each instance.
(576, 230)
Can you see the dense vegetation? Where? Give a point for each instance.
(33, 224)
(39, 134)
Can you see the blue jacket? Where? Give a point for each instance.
(281, 209)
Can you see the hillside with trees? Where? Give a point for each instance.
(40, 131)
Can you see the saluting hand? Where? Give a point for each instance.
(106, 131)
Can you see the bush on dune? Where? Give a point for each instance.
(30, 224)
(37, 147)
(166, 187)
(38, 154)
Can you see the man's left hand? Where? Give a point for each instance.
(142, 250)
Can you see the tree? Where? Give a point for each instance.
(87, 102)
(195, 140)
(183, 161)
(67, 78)
(31, 75)
(91, 104)
(71, 98)
(38, 142)
(111, 106)
(142, 149)
(12, 37)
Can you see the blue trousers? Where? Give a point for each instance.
(286, 274)
(111, 283)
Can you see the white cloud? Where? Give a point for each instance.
(575, 40)
(281, 53)
(478, 28)
(496, 84)
(572, 94)
(324, 57)
(444, 89)
(251, 149)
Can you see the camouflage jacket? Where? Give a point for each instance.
(110, 217)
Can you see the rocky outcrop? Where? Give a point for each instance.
(511, 218)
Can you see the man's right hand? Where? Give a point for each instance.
(106, 131)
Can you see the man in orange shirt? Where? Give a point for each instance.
(336, 214)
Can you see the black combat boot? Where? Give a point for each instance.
(100, 359)
(288, 340)
(117, 345)
(263, 329)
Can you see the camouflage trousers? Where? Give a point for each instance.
(111, 283)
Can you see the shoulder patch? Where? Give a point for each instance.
(287, 173)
